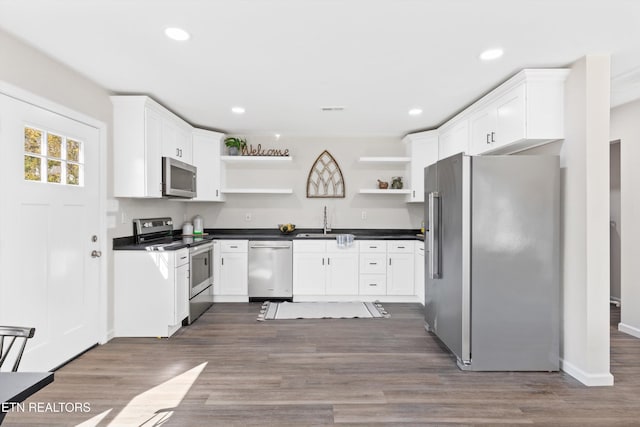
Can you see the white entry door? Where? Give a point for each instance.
(49, 217)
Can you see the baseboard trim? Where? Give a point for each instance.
(591, 380)
(363, 298)
(627, 329)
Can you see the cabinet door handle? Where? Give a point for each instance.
(389, 261)
(414, 193)
(328, 261)
(373, 263)
(323, 261)
(492, 135)
(222, 261)
(488, 135)
(177, 152)
(216, 193)
(373, 284)
(373, 247)
(234, 246)
(400, 247)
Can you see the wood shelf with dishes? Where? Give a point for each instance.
(256, 159)
(384, 191)
(387, 189)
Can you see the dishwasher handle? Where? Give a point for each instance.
(270, 247)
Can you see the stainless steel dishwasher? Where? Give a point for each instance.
(270, 269)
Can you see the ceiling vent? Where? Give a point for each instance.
(333, 108)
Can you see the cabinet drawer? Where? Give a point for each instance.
(372, 263)
(309, 246)
(182, 257)
(400, 246)
(234, 245)
(379, 246)
(373, 284)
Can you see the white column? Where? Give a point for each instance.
(585, 222)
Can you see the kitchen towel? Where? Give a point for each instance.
(321, 310)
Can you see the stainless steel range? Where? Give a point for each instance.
(157, 234)
(200, 279)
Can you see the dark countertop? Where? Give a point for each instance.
(177, 242)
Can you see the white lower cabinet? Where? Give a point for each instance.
(419, 271)
(342, 272)
(320, 268)
(386, 268)
(231, 270)
(373, 284)
(373, 267)
(400, 262)
(151, 292)
(182, 275)
(308, 273)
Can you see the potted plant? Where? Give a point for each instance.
(235, 145)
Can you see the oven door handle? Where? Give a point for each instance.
(200, 249)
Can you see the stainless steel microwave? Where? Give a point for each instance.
(178, 178)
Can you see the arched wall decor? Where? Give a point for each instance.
(325, 178)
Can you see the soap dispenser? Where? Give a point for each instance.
(198, 225)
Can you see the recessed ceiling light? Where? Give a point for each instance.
(277, 135)
(178, 34)
(491, 54)
(237, 110)
(415, 111)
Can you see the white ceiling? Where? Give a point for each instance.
(284, 59)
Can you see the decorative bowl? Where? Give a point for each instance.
(286, 228)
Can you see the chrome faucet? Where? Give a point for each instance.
(325, 227)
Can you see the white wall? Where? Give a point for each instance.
(382, 211)
(625, 126)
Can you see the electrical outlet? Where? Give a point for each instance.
(247, 217)
(364, 214)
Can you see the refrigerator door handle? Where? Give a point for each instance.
(434, 235)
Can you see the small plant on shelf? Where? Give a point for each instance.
(235, 145)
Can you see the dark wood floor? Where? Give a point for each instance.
(318, 372)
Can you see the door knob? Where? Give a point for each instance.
(96, 254)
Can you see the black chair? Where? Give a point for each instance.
(8, 336)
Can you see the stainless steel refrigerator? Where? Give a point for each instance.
(492, 267)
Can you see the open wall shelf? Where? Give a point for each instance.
(257, 191)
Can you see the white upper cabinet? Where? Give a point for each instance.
(176, 140)
(144, 132)
(525, 111)
(206, 157)
(454, 137)
(422, 149)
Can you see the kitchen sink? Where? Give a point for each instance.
(316, 235)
